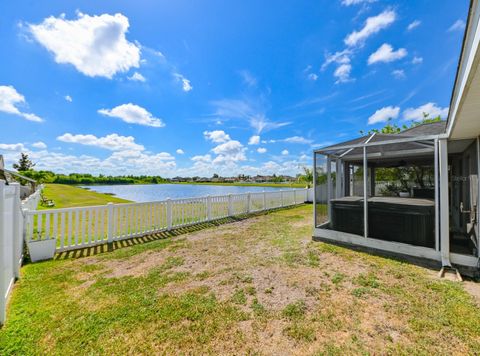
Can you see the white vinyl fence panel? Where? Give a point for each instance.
(11, 241)
(31, 202)
(81, 227)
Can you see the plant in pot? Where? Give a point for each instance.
(40, 248)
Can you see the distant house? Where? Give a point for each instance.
(415, 193)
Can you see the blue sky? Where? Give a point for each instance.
(174, 88)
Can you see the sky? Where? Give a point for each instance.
(185, 88)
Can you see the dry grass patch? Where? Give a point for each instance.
(257, 286)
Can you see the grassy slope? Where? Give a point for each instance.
(257, 286)
(66, 196)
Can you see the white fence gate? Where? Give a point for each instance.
(80, 227)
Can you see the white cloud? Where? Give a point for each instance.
(342, 73)
(254, 140)
(231, 151)
(340, 57)
(68, 98)
(285, 152)
(186, 85)
(372, 25)
(217, 136)
(113, 142)
(383, 114)
(137, 77)
(312, 76)
(413, 25)
(386, 54)
(10, 99)
(41, 145)
(398, 73)
(205, 158)
(417, 60)
(16, 147)
(94, 45)
(356, 2)
(458, 25)
(261, 150)
(298, 139)
(133, 114)
(248, 78)
(180, 151)
(417, 114)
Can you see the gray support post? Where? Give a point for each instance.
(444, 204)
(346, 179)
(365, 192)
(338, 178)
(329, 187)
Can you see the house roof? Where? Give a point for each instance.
(462, 122)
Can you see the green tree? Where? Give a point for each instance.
(307, 176)
(24, 163)
(390, 128)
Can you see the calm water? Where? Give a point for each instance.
(154, 192)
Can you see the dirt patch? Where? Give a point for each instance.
(473, 288)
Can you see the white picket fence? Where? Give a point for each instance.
(11, 241)
(75, 228)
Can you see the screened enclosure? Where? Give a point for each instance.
(380, 187)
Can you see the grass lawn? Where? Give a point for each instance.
(66, 196)
(256, 286)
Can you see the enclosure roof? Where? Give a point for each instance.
(434, 128)
(399, 145)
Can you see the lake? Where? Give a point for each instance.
(155, 192)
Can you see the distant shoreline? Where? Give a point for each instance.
(269, 185)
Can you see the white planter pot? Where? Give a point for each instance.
(42, 249)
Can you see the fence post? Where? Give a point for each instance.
(281, 198)
(111, 223)
(264, 200)
(248, 202)
(230, 206)
(209, 208)
(169, 214)
(3, 282)
(17, 231)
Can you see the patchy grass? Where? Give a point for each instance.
(257, 286)
(67, 196)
